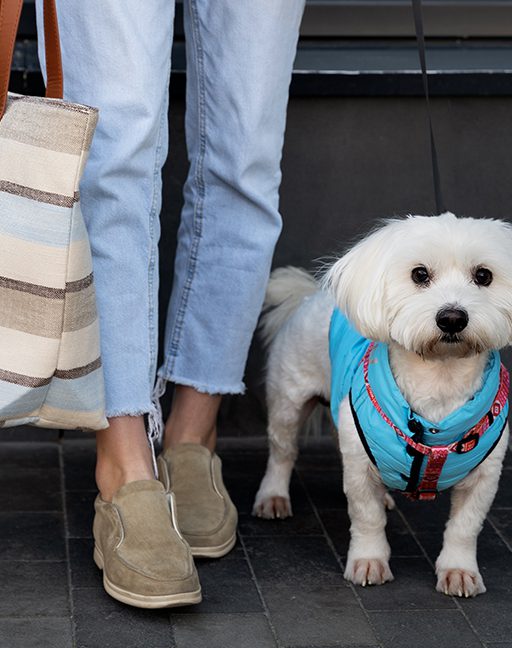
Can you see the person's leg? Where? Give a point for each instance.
(116, 57)
(240, 58)
(193, 418)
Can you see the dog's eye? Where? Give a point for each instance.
(482, 276)
(420, 275)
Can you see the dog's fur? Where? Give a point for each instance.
(372, 285)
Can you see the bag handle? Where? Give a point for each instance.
(10, 12)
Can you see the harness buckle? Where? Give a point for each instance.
(424, 494)
(467, 443)
(427, 495)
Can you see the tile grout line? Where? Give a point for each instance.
(338, 559)
(266, 611)
(498, 532)
(432, 565)
(66, 542)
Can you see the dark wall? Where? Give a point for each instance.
(348, 162)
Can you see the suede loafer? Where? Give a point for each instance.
(145, 560)
(207, 517)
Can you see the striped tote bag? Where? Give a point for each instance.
(50, 365)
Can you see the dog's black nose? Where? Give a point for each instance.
(452, 320)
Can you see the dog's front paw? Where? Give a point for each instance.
(368, 571)
(460, 582)
(272, 507)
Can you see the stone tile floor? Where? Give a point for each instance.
(282, 585)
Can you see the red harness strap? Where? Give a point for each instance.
(437, 455)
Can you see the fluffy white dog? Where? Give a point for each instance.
(435, 296)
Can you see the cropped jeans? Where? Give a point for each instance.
(117, 57)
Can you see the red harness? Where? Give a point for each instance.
(437, 455)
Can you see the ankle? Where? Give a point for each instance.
(123, 455)
(193, 418)
(176, 435)
(110, 476)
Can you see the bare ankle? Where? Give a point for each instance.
(123, 455)
(174, 436)
(193, 418)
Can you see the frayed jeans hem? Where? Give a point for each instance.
(203, 388)
(128, 412)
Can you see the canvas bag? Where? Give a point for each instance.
(50, 365)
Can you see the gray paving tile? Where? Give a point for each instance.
(243, 483)
(301, 523)
(325, 488)
(102, 622)
(490, 546)
(31, 536)
(412, 589)
(242, 489)
(502, 520)
(503, 497)
(84, 572)
(234, 462)
(431, 541)
(304, 589)
(46, 632)
(425, 516)
(227, 587)
(33, 589)
(501, 644)
(428, 629)
(29, 455)
(29, 433)
(318, 461)
(222, 631)
(30, 489)
(80, 513)
(490, 612)
(337, 525)
(322, 457)
(79, 465)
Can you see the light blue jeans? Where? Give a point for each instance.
(116, 56)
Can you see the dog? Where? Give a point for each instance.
(401, 335)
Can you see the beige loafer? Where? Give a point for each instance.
(144, 558)
(207, 517)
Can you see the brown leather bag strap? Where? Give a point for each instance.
(55, 77)
(10, 12)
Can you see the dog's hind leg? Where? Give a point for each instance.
(298, 371)
(456, 567)
(273, 498)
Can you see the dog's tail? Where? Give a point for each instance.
(286, 290)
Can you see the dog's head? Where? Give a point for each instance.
(437, 286)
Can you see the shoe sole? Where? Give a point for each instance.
(212, 552)
(141, 600)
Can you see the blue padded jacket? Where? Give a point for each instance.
(401, 467)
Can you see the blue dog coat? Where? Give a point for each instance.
(400, 442)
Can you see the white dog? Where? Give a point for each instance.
(435, 296)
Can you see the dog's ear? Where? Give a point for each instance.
(358, 283)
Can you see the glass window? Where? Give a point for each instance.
(393, 18)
